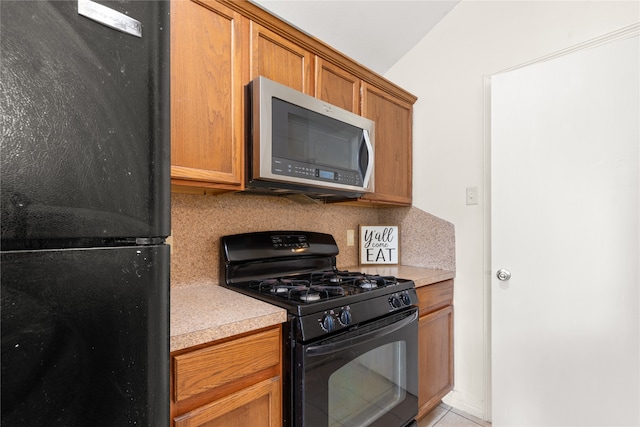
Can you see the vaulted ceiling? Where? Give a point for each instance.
(374, 33)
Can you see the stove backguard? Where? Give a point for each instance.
(262, 255)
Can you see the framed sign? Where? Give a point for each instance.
(379, 244)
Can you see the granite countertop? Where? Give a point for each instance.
(206, 312)
(201, 313)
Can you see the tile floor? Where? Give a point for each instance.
(445, 416)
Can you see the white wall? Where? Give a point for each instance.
(446, 71)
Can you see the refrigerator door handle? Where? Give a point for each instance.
(109, 17)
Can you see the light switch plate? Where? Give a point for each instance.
(472, 195)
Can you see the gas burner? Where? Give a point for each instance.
(282, 286)
(330, 276)
(317, 292)
(281, 289)
(309, 296)
(299, 289)
(367, 283)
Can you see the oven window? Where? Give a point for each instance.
(368, 387)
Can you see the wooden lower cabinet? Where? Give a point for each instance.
(229, 383)
(435, 344)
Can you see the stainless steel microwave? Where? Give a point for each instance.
(301, 144)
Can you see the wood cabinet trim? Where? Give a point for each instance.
(203, 175)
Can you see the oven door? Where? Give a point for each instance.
(366, 376)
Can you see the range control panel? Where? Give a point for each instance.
(298, 241)
(348, 316)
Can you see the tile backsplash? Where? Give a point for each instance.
(198, 222)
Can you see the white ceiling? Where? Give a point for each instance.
(375, 33)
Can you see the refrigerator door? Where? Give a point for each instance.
(85, 337)
(85, 110)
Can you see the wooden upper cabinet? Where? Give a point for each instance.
(208, 54)
(219, 46)
(393, 145)
(337, 86)
(280, 60)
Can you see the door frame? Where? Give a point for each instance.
(623, 33)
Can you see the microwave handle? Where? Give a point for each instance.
(370, 163)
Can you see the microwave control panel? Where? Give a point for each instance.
(304, 170)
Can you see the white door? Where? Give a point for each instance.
(564, 220)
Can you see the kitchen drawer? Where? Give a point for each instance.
(257, 406)
(222, 364)
(434, 297)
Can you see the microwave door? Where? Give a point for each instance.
(300, 143)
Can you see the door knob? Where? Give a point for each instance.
(503, 274)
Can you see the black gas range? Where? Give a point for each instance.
(350, 345)
(297, 270)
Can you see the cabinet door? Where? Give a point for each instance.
(337, 86)
(280, 60)
(207, 131)
(393, 145)
(255, 406)
(435, 358)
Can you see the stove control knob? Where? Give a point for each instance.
(406, 299)
(395, 302)
(328, 323)
(345, 317)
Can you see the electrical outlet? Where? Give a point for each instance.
(351, 238)
(472, 195)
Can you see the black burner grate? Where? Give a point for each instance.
(321, 285)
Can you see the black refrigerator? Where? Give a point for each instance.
(85, 210)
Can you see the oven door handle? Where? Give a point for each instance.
(322, 349)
